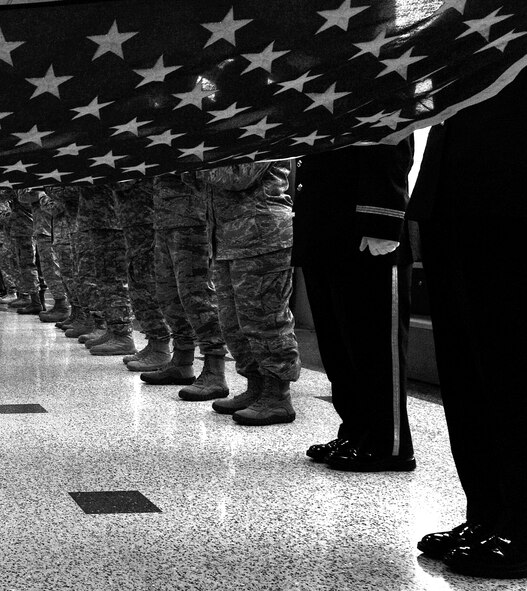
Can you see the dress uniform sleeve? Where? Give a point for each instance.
(381, 205)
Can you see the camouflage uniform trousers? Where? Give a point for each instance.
(64, 253)
(62, 246)
(27, 263)
(9, 265)
(184, 289)
(140, 264)
(111, 278)
(49, 266)
(85, 283)
(253, 298)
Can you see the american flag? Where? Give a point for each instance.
(104, 91)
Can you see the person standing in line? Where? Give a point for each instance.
(8, 264)
(106, 292)
(22, 233)
(135, 210)
(61, 202)
(185, 291)
(352, 244)
(251, 227)
(469, 199)
(42, 234)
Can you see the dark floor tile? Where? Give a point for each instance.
(114, 501)
(326, 398)
(9, 409)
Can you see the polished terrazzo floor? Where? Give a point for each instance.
(221, 507)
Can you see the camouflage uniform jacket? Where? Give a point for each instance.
(6, 211)
(249, 208)
(176, 204)
(41, 219)
(61, 203)
(134, 202)
(21, 219)
(5, 214)
(97, 209)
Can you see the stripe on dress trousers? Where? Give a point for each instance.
(396, 375)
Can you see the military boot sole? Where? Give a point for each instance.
(50, 319)
(167, 381)
(197, 397)
(103, 353)
(270, 420)
(131, 367)
(225, 410)
(75, 334)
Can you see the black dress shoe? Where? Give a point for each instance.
(494, 558)
(354, 460)
(320, 451)
(437, 545)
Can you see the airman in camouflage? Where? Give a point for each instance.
(42, 234)
(22, 235)
(8, 264)
(135, 208)
(100, 233)
(61, 203)
(252, 217)
(185, 291)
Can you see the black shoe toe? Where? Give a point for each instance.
(493, 558)
(320, 451)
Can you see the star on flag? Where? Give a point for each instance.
(107, 160)
(263, 59)
(261, 128)
(48, 83)
(225, 29)
(166, 138)
(156, 73)
(111, 42)
(340, 17)
(483, 25)
(71, 150)
(374, 46)
(17, 167)
(309, 139)
(92, 108)
(131, 127)
(296, 84)
(197, 151)
(325, 99)
(401, 64)
(33, 136)
(227, 113)
(7, 47)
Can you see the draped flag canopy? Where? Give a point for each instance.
(103, 91)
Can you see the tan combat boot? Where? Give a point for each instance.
(178, 371)
(272, 407)
(243, 400)
(115, 345)
(210, 383)
(156, 355)
(34, 306)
